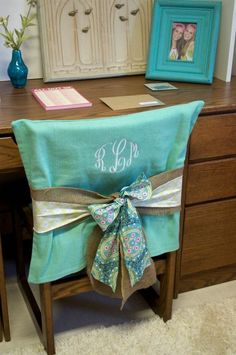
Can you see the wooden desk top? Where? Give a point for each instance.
(220, 97)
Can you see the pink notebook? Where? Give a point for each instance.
(59, 98)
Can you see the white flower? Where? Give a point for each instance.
(32, 2)
(3, 21)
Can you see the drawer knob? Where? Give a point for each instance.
(123, 18)
(119, 6)
(72, 13)
(134, 12)
(88, 11)
(85, 29)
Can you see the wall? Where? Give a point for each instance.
(225, 51)
(234, 62)
(31, 48)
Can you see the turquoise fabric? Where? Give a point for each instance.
(102, 155)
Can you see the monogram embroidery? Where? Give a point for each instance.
(115, 157)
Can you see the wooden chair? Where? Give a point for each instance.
(48, 137)
(11, 177)
(5, 210)
(4, 317)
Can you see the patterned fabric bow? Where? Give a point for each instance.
(123, 235)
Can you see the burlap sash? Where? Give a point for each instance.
(58, 196)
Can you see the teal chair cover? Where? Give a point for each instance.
(101, 155)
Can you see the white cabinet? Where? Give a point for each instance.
(93, 38)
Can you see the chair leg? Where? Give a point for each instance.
(1, 331)
(19, 252)
(3, 296)
(161, 301)
(167, 288)
(42, 318)
(47, 317)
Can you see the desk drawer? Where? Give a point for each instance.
(213, 136)
(211, 180)
(9, 156)
(209, 237)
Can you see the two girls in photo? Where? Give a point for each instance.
(182, 44)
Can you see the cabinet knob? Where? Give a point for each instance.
(88, 11)
(134, 12)
(123, 18)
(85, 29)
(72, 13)
(119, 6)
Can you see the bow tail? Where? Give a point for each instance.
(105, 266)
(148, 279)
(135, 251)
(123, 285)
(137, 267)
(122, 260)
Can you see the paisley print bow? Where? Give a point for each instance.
(123, 235)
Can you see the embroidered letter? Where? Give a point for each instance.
(117, 149)
(133, 153)
(99, 155)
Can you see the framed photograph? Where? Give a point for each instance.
(183, 40)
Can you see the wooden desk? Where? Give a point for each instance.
(208, 236)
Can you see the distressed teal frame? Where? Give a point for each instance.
(206, 14)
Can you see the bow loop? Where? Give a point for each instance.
(105, 214)
(140, 189)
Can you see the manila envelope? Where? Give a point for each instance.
(131, 101)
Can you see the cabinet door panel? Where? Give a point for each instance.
(115, 33)
(211, 181)
(213, 136)
(66, 54)
(77, 37)
(139, 14)
(88, 29)
(209, 239)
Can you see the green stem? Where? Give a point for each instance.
(15, 38)
(28, 13)
(9, 34)
(19, 41)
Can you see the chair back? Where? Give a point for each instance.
(102, 155)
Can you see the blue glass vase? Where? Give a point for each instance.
(17, 70)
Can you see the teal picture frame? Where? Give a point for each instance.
(200, 16)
